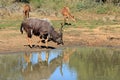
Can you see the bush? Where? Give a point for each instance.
(4, 3)
(86, 4)
(107, 8)
(102, 9)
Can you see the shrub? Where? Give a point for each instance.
(86, 4)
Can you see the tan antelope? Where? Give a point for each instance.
(26, 10)
(67, 15)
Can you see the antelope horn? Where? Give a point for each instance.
(61, 28)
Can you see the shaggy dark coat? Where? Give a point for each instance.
(42, 28)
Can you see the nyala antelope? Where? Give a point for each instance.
(42, 28)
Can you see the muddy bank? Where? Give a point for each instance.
(14, 41)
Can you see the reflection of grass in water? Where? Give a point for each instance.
(96, 64)
(9, 66)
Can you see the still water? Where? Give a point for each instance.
(62, 64)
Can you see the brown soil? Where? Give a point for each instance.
(108, 36)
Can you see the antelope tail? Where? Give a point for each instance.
(21, 28)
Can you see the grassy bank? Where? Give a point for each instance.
(87, 13)
(15, 23)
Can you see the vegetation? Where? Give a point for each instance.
(13, 24)
(96, 63)
(75, 5)
(110, 7)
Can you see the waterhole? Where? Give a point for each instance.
(81, 63)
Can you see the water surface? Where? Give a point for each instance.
(62, 64)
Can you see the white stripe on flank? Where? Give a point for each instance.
(31, 31)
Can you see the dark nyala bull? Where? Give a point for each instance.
(42, 28)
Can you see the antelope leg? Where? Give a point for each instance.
(40, 40)
(47, 56)
(29, 42)
(46, 41)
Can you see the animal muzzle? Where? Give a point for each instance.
(61, 42)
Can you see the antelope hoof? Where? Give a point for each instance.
(31, 46)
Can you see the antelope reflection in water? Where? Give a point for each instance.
(43, 63)
(46, 65)
(32, 59)
(64, 72)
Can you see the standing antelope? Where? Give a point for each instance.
(26, 10)
(42, 28)
(67, 14)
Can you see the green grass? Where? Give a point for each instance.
(75, 6)
(14, 24)
(56, 23)
(91, 24)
